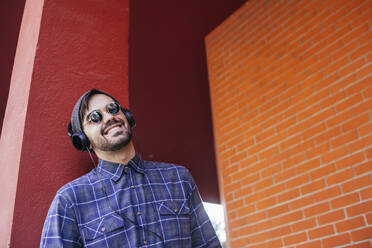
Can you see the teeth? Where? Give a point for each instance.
(113, 128)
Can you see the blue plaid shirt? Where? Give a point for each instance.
(141, 204)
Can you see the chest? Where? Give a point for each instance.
(136, 210)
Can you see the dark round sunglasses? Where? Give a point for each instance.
(96, 116)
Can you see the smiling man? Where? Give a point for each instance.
(124, 201)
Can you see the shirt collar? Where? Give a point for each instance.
(115, 170)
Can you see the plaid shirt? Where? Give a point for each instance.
(141, 204)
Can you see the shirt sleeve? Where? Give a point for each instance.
(202, 231)
(60, 227)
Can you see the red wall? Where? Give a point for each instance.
(79, 46)
(291, 91)
(85, 45)
(169, 83)
(10, 21)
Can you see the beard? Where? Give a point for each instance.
(114, 142)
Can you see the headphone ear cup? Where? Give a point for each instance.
(80, 141)
(129, 116)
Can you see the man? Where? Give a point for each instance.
(125, 201)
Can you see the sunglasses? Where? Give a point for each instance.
(96, 116)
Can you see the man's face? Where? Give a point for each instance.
(113, 132)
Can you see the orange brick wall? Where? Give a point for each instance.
(291, 93)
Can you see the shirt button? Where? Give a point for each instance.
(103, 229)
(145, 242)
(132, 186)
(138, 213)
(126, 168)
(176, 210)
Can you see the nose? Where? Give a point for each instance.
(107, 117)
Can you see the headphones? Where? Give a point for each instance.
(75, 130)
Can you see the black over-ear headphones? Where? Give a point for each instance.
(75, 130)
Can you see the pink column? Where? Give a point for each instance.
(65, 47)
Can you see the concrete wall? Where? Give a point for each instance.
(169, 83)
(64, 49)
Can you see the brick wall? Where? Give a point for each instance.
(291, 93)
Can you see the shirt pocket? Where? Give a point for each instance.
(175, 219)
(103, 228)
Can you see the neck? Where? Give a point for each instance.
(121, 156)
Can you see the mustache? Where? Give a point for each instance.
(110, 123)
